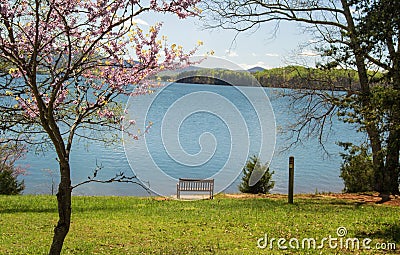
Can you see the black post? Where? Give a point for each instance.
(291, 179)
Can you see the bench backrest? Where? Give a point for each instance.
(195, 185)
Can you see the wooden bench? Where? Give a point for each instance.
(195, 185)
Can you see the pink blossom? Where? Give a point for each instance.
(85, 49)
(106, 113)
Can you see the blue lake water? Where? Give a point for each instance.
(200, 144)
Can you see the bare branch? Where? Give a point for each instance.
(119, 177)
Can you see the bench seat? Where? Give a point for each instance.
(200, 185)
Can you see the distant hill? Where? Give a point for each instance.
(256, 69)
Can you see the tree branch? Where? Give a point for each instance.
(119, 177)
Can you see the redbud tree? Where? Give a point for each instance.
(65, 63)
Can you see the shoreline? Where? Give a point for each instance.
(356, 198)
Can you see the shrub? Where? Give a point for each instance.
(264, 185)
(9, 184)
(357, 170)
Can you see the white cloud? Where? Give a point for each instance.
(135, 22)
(230, 53)
(254, 54)
(140, 22)
(308, 53)
(271, 55)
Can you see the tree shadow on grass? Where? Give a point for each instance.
(387, 233)
(29, 210)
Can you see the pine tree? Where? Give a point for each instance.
(264, 185)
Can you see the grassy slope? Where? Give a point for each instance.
(128, 225)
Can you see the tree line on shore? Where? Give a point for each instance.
(296, 77)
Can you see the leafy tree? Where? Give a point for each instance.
(379, 30)
(68, 63)
(264, 185)
(9, 184)
(360, 35)
(357, 170)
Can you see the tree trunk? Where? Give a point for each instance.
(393, 142)
(381, 176)
(392, 163)
(64, 208)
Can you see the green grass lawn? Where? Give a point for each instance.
(130, 225)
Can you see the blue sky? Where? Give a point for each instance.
(259, 48)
